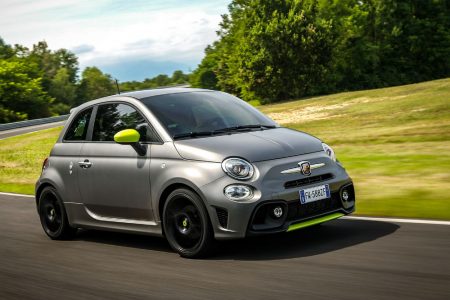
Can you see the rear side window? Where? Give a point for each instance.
(112, 118)
(79, 127)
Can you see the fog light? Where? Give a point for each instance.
(278, 212)
(348, 196)
(238, 192)
(345, 195)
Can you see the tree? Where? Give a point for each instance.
(21, 96)
(205, 74)
(68, 61)
(286, 53)
(161, 80)
(386, 42)
(6, 51)
(268, 50)
(94, 84)
(63, 90)
(415, 40)
(178, 77)
(50, 63)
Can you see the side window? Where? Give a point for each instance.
(112, 118)
(79, 127)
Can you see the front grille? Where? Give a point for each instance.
(300, 211)
(307, 180)
(222, 215)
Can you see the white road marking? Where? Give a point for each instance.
(17, 195)
(397, 220)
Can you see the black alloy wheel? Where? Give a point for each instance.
(53, 216)
(186, 224)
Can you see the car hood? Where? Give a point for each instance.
(253, 145)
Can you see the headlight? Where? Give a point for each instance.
(238, 168)
(238, 192)
(329, 151)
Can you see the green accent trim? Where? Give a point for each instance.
(127, 136)
(315, 221)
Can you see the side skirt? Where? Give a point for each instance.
(80, 216)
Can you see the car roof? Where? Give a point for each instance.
(143, 94)
(161, 91)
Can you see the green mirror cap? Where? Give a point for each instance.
(127, 136)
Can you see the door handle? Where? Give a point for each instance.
(85, 164)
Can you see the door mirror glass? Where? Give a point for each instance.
(127, 136)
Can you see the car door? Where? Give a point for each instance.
(65, 155)
(114, 180)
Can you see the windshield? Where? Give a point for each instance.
(197, 114)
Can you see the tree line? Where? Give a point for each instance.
(40, 82)
(267, 50)
(274, 50)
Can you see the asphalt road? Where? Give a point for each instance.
(343, 259)
(12, 132)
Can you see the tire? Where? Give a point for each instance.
(186, 224)
(53, 215)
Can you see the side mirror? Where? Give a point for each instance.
(130, 137)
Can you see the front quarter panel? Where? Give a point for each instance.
(168, 168)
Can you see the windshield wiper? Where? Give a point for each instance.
(192, 134)
(245, 127)
(222, 130)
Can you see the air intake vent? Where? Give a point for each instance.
(222, 215)
(307, 180)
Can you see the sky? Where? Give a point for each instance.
(131, 40)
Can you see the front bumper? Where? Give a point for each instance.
(231, 219)
(298, 215)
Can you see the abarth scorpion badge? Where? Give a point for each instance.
(305, 168)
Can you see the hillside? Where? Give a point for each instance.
(394, 142)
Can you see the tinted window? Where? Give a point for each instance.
(78, 129)
(203, 111)
(112, 118)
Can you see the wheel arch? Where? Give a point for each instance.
(172, 186)
(54, 180)
(40, 189)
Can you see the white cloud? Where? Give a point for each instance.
(105, 31)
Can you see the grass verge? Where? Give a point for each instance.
(22, 157)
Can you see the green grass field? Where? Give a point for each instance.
(394, 142)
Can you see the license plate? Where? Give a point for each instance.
(315, 193)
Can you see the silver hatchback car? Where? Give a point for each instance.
(192, 165)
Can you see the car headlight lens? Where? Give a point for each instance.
(238, 168)
(238, 192)
(329, 151)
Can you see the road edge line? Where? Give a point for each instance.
(17, 195)
(398, 220)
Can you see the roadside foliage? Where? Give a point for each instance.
(39, 82)
(287, 49)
